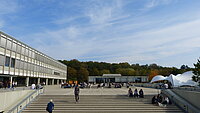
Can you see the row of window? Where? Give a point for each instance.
(19, 48)
(18, 64)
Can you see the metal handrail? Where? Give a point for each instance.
(18, 108)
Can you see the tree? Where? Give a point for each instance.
(82, 75)
(72, 73)
(94, 72)
(152, 74)
(104, 71)
(125, 71)
(196, 72)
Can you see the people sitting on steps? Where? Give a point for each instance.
(141, 93)
(161, 100)
(130, 92)
(135, 93)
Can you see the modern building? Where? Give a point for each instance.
(118, 78)
(22, 64)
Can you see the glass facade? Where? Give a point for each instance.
(17, 58)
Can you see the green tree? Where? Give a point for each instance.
(196, 72)
(104, 71)
(82, 75)
(94, 72)
(72, 73)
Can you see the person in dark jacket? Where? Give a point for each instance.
(141, 93)
(154, 100)
(135, 93)
(76, 93)
(50, 106)
(130, 92)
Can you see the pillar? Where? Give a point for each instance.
(27, 81)
(11, 81)
(57, 81)
(46, 81)
(52, 81)
(38, 81)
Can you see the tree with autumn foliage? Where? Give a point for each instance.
(152, 74)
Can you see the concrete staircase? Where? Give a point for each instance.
(98, 104)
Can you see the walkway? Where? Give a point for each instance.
(56, 90)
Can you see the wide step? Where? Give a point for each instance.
(99, 104)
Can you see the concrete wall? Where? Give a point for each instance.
(192, 97)
(182, 102)
(9, 99)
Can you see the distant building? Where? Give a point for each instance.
(22, 64)
(105, 78)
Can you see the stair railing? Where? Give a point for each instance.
(26, 101)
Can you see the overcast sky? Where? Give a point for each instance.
(166, 32)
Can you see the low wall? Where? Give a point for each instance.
(180, 98)
(9, 99)
(192, 97)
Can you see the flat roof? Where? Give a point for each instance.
(112, 75)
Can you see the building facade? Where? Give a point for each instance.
(22, 64)
(117, 78)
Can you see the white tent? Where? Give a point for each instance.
(177, 80)
(158, 78)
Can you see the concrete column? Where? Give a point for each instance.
(27, 81)
(46, 81)
(11, 81)
(38, 81)
(57, 81)
(52, 81)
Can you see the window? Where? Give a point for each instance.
(2, 60)
(18, 48)
(2, 51)
(3, 42)
(18, 64)
(21, 64)
(12, 62)
(7, 62)
(56, 73)
(8, 44)
(25, 65)
(30, 53)
(23, 50)
(14, 47)
(26, 52)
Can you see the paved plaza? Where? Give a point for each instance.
(56, 90)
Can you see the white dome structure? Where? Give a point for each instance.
(158, 78)
(177, 80)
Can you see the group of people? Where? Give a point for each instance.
(135, 94)
(160, 100)
(8, 84)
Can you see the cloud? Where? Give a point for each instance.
(154, 3)
(8, 7)
(115, 31)
(104, 12)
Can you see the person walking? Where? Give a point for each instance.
(76, 93)
(50, 106)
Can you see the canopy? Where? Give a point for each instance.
(158, 78)
(177, 80)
